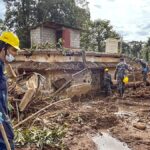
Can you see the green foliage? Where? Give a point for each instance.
(146, 50)
(95, 35)
(40, 137)
(126, 49)
(2, 26)
(136, 48)
(24, 14)
(43, 46)
(133, 48)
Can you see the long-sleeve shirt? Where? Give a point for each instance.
(4, 105)
(107, 79)
(144, 65)
(121, 69)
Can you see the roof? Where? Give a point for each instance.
(73, 53)
(61, 66)
(55, 25)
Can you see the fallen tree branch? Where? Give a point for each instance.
(35, 114)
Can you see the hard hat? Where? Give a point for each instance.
(106, 69)
(125, 79)
(11, 39)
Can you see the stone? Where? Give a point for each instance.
(140, 126)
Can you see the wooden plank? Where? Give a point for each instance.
(5, 137)
(38, 112)
(26, 99)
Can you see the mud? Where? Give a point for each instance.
(126, 119)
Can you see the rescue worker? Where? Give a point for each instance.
(120, 74)
(145, 69)
(9, 44)
(107, 83)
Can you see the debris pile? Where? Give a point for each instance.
(70, 117)
(50, 122)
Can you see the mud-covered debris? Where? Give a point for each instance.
(140, 126)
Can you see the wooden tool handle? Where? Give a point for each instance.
(4, 136)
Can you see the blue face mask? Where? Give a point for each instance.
(10, 58)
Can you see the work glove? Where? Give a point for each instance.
(1, 119)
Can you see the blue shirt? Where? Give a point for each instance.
(3, 80)
(4, 104)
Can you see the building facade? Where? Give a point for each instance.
(55, 34)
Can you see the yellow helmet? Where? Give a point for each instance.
(106, 69)
(11, 39)
(126, 80)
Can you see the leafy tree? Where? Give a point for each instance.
(146, 50)
(2, 26)
(24, 14)
(126, 49)
(96, 33)
(136, 48)
(20, 17)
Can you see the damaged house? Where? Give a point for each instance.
(75, 73)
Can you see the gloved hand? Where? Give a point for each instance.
(1, 119)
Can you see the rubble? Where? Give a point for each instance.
(70, 107)
(140, 126)
(90, 116)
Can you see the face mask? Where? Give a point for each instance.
(10, 58)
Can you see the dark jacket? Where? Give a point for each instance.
(121, 70)
(4, 105)
(107, 79)
(145, 68)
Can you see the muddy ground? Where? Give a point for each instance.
(127, 119)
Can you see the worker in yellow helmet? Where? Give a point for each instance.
(9, 45)
(107, 82)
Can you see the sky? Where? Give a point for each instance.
(2, 9)
(130, 18)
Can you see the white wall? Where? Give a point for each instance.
(112, 46)
(48, 35)
(35, 36)
(74, 39)
(43, 35)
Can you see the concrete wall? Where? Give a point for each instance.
(53, 76)
(48, 35)
(60, 58)
(112, 46)
(42, 35)
(85, 77)
(35, 36)
(74, 39)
